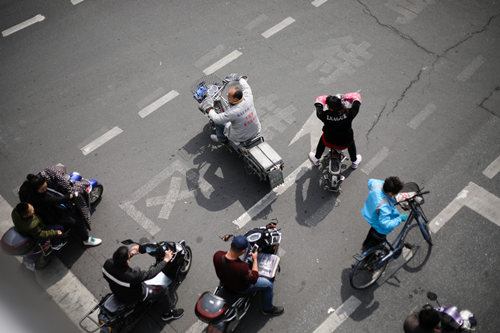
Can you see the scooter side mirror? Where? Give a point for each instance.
(128, 242)
(432, 296)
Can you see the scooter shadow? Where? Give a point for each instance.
(317, 203)
(216, 178)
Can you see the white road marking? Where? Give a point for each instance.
(256, 22)
(312, 127)
(101, 140)
(422, 115)
(76, 2)
(470, 69)
(339, 316)
(128, 206)
(22, 25)
(473, 197)
(197, 327)
(492, 169)
(317, 3)
(217, 51)
(273, 195)
(395, 265)
(63, 286)
(278, 27)
(170, 198)
(158, 103)
(223, 62)
(376, 160)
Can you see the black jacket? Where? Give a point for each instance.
(45, 204)
(125, 282)
(337, 129)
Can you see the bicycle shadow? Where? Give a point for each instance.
(366, 296)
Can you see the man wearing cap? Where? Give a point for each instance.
(238, 277)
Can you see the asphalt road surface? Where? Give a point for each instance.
(104, 88)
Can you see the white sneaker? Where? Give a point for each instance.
(356, 163)
(214, 138)
(312, 157)
(92, 241)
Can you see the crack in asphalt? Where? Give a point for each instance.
(376, 121)
(367, 10)
(481, 105)
(393, 29)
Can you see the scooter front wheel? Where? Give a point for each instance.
(96, 194)
(188, 260)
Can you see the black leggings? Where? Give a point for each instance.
(320, 149)
(373, 239)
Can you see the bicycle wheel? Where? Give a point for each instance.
(367, 271)
(423, 224)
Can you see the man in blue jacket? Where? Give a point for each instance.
(379, 210)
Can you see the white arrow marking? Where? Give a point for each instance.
(492, 169)
(474, 197)
(313, 127)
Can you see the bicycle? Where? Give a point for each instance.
(371, 263)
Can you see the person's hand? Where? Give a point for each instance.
(168, 256)
(233, 77)
(255, 255)
(71, 196)
(134, 250)
(403, 217)
(59, 232)
(207, 104)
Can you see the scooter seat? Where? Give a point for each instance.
(229, 296)
(113, 305)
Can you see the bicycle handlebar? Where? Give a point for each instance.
(419, 193)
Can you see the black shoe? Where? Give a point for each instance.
(172, 314)
(276, 311)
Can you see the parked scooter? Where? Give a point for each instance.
(36, 253)
(451, 319)
(223, 309)
(259, 157)
(115, 316)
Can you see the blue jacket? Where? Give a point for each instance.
(379, 209)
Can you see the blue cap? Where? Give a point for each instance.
(240, 242)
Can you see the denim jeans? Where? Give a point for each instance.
(265, 286)
(219, 131)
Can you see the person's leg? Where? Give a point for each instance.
(219, 132)
(77, 225)
(373, 239)
(352, 151)
(266, 287)
(58, 241)
(320, 148)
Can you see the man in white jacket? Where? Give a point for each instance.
(242, 115)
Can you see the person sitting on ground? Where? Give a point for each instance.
(29, 224)
(238, 277)
(379, 210)
(426, 320)
(245, 124)
(48, 207)
(128, 285)
(337, 113)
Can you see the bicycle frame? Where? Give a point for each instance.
(396, 247)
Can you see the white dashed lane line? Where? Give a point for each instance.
(101, 140)
(278, 27)
(493, 169)
(470, 69)
(339, 316)
(223, 62)
(376, 160)
(422, 115)
(317, 3)
(22, 25)
(158, 103)
(76, 2)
